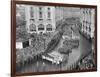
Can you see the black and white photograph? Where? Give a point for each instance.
(54, 38)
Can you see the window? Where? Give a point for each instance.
(49, 14)
(41, 27)
(86, 28)
(40, 13)
(32, 27)
(86, 11)
(83, 27)
(49, 27)
(31, 12)
(48, 8)
(83, 12)
(90, 15)
(89, 28)
(90, 12)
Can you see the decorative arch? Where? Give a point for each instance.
(32, 27)
(49, 27)
(40, 27)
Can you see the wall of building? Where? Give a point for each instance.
(66, 12)
(36, 20)
(87, 20)
(87, 31)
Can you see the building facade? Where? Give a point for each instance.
(87, 20)
(66, 12)
(40, 19)
(87, 29)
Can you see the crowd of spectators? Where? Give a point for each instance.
(38, 45)
(71, 43)
(86, 63)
